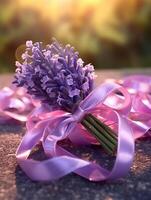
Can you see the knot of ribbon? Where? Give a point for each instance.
(78, 114)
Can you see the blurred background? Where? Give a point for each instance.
(107, 33)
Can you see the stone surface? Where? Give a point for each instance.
(15, 185)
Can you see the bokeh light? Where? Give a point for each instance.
(107, 33)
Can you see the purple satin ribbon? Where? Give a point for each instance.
(15, 104)
(58, 125)
(120, 104)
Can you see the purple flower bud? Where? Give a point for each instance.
(29, 43)
(69, 80)
(74, 92)
(54, 74)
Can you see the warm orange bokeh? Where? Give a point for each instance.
(109, 33)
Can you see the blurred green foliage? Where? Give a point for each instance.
(108, 33)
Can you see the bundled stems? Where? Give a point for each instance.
(102, 132)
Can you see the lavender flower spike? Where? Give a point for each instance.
(54, 74)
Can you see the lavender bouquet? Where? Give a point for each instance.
(56, 76)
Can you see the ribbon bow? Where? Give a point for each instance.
(51, 127)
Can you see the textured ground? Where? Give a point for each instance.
(14, 184)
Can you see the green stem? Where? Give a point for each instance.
(107, 145)
(107, 128)
(103, 128)
(102, 132)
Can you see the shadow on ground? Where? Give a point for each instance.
(137, 185)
